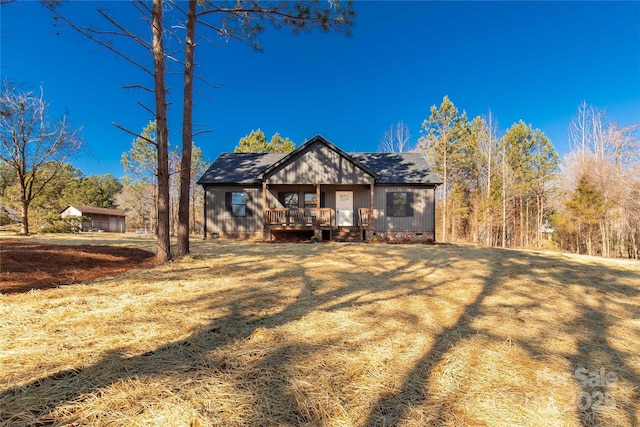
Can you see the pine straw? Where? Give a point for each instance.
(334, 335)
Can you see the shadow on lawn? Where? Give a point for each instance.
(393, 410)
(46, 396)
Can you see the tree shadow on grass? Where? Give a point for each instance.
(254, 309)
(593, 350)
(51, 398)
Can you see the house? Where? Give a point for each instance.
(97, 219)
(320, 190)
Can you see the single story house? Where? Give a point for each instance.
(97, 219)
(323, 191)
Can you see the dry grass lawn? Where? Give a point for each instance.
(251, 334)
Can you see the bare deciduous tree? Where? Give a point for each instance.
(396, 139)
(33, 145)
(606, 156)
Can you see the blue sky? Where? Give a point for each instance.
(535, 61)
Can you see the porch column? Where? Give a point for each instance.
(371, 204)
(204, 207)
(318, 230)
(264, 211)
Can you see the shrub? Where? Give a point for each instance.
(70, 224)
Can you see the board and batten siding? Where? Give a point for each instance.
(220, 220)
(319, 165)
(422, 219)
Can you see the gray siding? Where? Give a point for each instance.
(319, 165)
(422, 219)
(220, 220)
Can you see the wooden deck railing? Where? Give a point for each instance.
(365, 215)
(300, 216)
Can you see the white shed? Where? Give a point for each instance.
(98, 219)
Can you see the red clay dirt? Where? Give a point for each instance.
(27, 265)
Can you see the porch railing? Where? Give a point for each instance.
(365, 215)
(300, 216)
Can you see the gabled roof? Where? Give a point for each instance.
(386, 168)
(305, 147)
(399, 168)
(239, 168)
(95, 210)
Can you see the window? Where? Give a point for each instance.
(400, 203)
(290, 200)
(236, 202)
(310, 200)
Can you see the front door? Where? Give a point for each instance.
(344, 208)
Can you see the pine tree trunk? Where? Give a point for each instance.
(527, 227)
(164, 243)
(504, 217)
(444, 198)
(182, 248)
(521, 221)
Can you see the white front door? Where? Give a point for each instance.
(344, 208)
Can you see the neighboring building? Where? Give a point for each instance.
(97, 219)
(323, 191)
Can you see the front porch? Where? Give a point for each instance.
(321, 221)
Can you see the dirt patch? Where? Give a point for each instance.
(26, 265)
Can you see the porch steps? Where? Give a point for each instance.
(347, 234)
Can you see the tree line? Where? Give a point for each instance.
(37, 180)
(165, 37)
(512, 189)
(174, 33)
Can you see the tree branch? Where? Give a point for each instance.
(136, 134)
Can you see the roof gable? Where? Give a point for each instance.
(319, 161)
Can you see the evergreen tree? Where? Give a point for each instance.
(443, 131)
(256, 142)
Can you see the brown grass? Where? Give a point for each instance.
(329, 334)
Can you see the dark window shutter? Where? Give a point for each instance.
(322, 200)
(409, 204)
(227, 202)
(389, 211)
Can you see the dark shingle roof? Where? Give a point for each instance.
(239, 168)
(388, 168)
(391, 168)
(399, 168)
